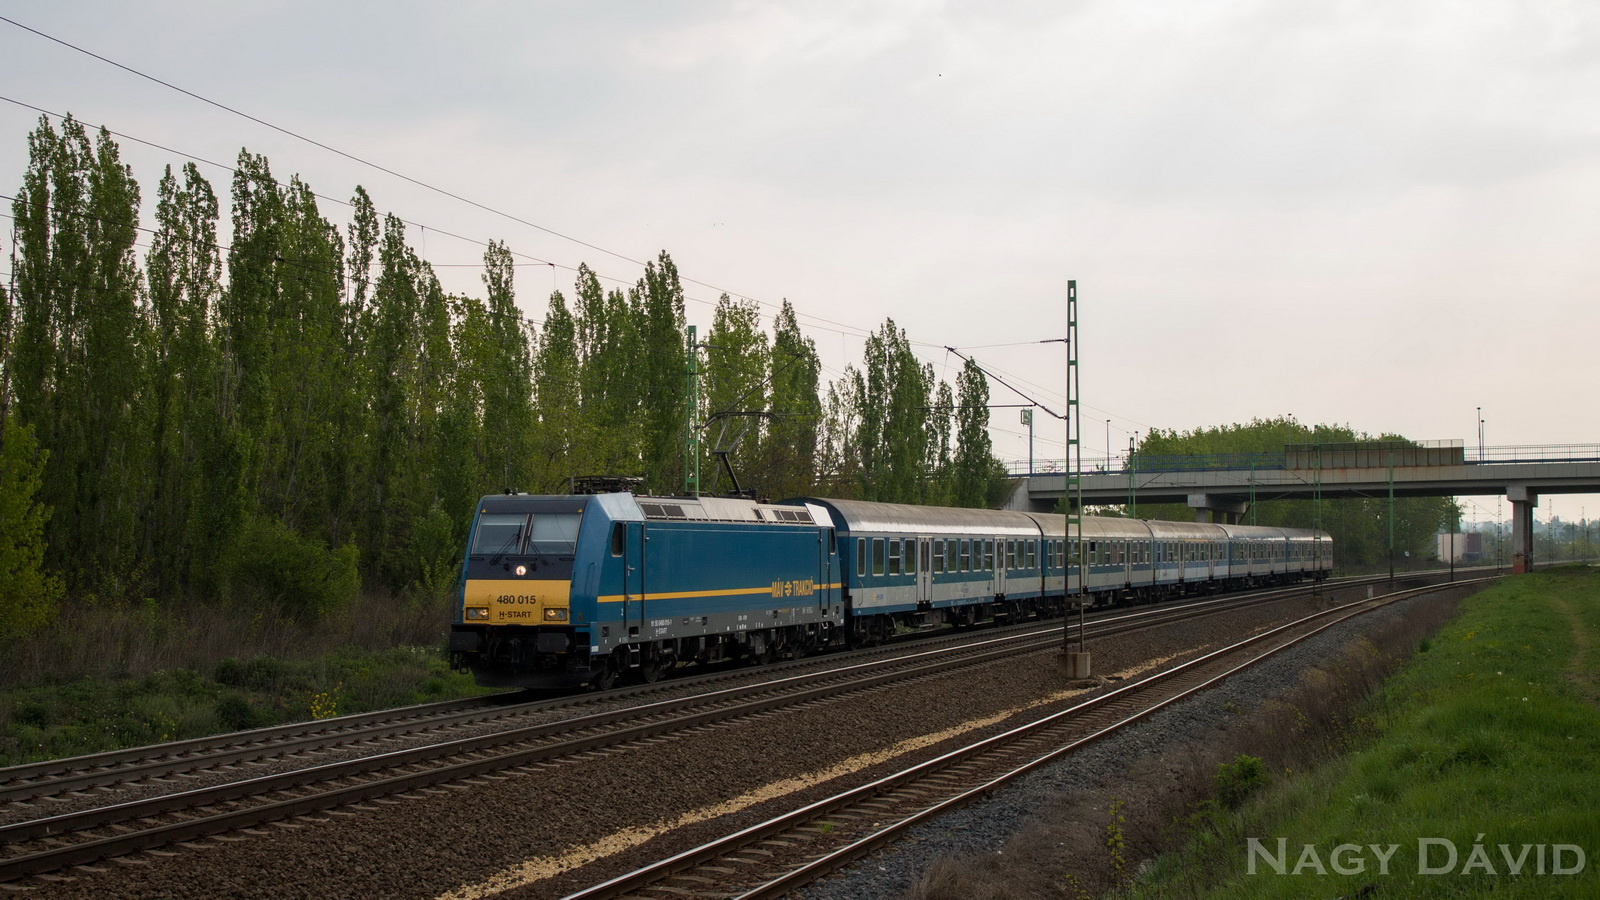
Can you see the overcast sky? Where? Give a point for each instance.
(1368, 213)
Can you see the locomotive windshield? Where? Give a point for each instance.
(518, 534)
(500, 534)
(554, 533)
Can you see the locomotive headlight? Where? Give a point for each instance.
(555, 614)
(477, 613)
(522, 570)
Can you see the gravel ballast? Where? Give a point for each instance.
(439, 840)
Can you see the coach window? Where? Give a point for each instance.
(861, 556)
(894, 557)
(988, 556)
(964, 563)
(877, 556)
(952, 555)
(911, 556)
(938, 555)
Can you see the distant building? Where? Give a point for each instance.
(1468, 546)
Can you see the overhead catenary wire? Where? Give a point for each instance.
(842, 328)
(381, 168)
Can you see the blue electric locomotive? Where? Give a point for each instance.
(570, 590)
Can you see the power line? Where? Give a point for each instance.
(407, 178)
(851, 330)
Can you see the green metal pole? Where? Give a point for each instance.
(1391, 515)
(691, 412)
(1133, 472)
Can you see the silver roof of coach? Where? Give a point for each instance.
(904, 518)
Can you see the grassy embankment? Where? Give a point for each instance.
(106, 676)
(1491, 737)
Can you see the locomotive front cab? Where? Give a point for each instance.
(516, 615)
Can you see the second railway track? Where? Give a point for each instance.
(795, 848)
(52, 843)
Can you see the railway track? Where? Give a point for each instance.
(43, 844)
(166, 768)
(796, 848)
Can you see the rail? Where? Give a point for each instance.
(1118, 464)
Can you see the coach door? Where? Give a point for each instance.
(825, 545)
(924, 570)
(633, 579)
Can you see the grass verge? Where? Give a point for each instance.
(1472, 765)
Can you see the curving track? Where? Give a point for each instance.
(796, 848)
(35, 844)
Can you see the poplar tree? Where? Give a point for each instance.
(734, 381)
(974, 458)
(661, 374)
(565, 433)
(183, 271)
(467, 422)
(395, 351)
(941, 490)
(78, 335)
(789, 447)
(307, 360)
(611, 387)
(892, 398)
(509, 391)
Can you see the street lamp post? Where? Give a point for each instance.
(1480, 434)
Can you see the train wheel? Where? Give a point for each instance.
(607, 679)
(650, 672)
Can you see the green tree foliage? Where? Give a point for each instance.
(734, 387)
(838, 442)
(611, 389)
(274, 421)
(974, 460)
(183, 272)
(77, 366)
(941, 464)
(28, 594)
(269, 564)
(788, 456)
(892, 400)
(567, 430)
(661, 372)
(508, 378)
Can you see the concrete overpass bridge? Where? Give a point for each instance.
(1222, 487)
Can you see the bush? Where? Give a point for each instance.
(237, 713)
(269, 564)
(436, 549)
(1237, 780)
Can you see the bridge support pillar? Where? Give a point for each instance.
(1217, 508)
(1523, 503)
